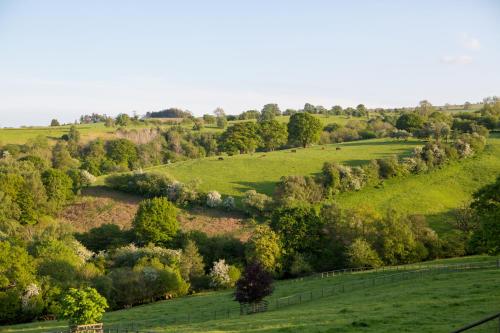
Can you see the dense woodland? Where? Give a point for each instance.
(299, 230)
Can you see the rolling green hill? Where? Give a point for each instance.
(260, 171)
(424, 302)
(434, 194)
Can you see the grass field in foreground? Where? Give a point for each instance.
(434, 194)
(434, 303)
(260, 171)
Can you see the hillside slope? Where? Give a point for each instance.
(434, 194)
(260, 171)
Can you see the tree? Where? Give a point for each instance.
(298, 227)
(191, 265)
(58, 186)
(410, 122)
(361, 254)
(269, 112)
(273, 134)
(424, 108)
(221, 122)
(240, 138)
(122, 152)
(303, 129)
(54, 123)
(156, 221)
(264, 246)
(61, 157)
(83, 306)
(122, 119)
(486, 204)
(219, 275)
(255, 284)
(73, 134)
(17, 274)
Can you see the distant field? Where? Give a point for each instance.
(433, 303)
(260, 171)
(98, 130)
(434, 194)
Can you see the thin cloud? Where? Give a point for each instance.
(459, 60)
(470, 43)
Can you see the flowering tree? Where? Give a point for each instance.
(219, 275)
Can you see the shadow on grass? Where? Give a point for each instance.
(106, 192)
(266, 187)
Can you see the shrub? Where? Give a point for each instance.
(293, 189)
(256, 203)
(83, 306)
(214, 199)
(228, 203)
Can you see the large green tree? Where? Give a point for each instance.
(241, 137)
(273, 134)
(410, 122)
(156, 221)
(264, 246)
(303, 129)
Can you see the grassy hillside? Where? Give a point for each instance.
(434, 194)
(260, 171)
(426, 304)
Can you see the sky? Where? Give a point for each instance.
(61, 59)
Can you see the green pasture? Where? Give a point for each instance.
(425, 303)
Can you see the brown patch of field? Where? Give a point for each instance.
(215, 222)
(99, 205)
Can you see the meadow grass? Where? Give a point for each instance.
(432, 303)
(260, 171)
(434, 194)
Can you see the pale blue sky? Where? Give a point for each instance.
(65, 58)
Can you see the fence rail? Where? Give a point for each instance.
(388, 275)
(494, 320)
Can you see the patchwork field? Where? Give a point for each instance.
(428, 303)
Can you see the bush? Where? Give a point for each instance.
(228, 203)
(214, 199)
(256, 203)
(294, 189)
(83, 306)
(155, 221)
